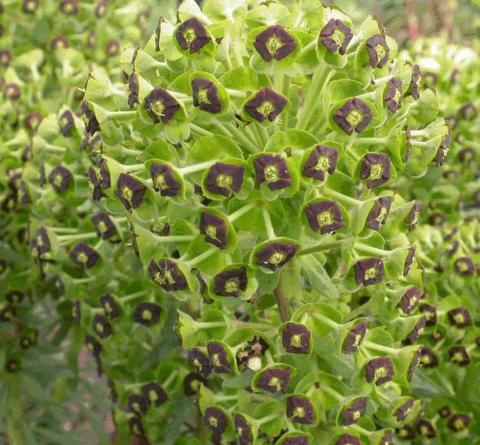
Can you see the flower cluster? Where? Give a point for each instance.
(46, 50)
(448, 244)
(229, 213)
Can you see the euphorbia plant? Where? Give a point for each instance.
(46, 49)
(223, 213)
(448, 240)
(250, 160)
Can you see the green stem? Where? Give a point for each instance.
(195, 168)
(241, 211)
(324, 319)
(200, 258)
(281, 299)
(325, 246)
(268, 223)
(319, 80)
(377, 347)
(80, 236)
(344, 199)
(373, 250)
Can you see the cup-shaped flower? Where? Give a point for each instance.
(218, 357)
(354, 338)
(40, 244)
(101, 9)
(353, 115)
(97, 191)
(464, 266)
(393, 95)
(137, 404)
(379, 370)
(378, 214)
(375, 169)
(230, 283)
(93, 345)
(274, 379)
(265, 104)
(426, 429)
(33, 120)
(91, 123)
(352, 412)
(136, 427)
(369, 271)
(274, 43)
(85, 256)
(205, 95)
(324, 216)
(244, 430)
(8, 313)
(348, 439)
(60, 179)
(412, 337)
(147, 313)
(12, 92)
(430, 313)
(14, 296)
(275, 254)
(130, 191)
(5, 58)
(30, 6)
(406, 432)
(215, 419)
(335, 36)
(160, 105)
(164, 179)
(377, 50)
(215, 229)
(410, 299)
(133, 89)
(320, 161)
(104, 226)
(59, 42)
(459, 355)
(468, 111)
(224, 179)
(414, 215)
(458, 422)
(12, 365)
(443, 149)
(69, 7)
(154, 394)
(200, 361)
(296, 338)
(467, 154)
(460, 317)
(113, 48)
(414, 88)
(428, 359)
(300, 410)
(386, 439)
(402, 412)
(167, 275)
(272, 170)
(444, 412)
(192, 35)
(192, 382)
(66, 122)
(101, 326)
(110, 306)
